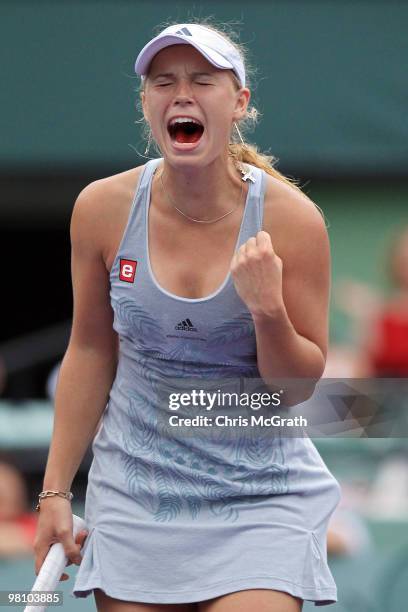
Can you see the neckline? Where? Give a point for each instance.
(181, 298)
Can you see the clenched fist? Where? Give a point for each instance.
(257, 274)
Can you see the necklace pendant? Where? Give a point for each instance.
(247, 173)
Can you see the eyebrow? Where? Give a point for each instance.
(170, 75)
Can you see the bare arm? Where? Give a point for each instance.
(283, 276)
(86, 373)
(292, 340)
(296, 329)
(89, 364)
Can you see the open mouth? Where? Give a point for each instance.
(185, 130)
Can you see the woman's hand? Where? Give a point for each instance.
(257, 274)
(55, 525)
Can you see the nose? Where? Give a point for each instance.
(184, 93)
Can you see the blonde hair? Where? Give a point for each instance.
(239, 151)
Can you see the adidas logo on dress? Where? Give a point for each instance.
(186, 325)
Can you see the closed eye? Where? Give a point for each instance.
(197, 82)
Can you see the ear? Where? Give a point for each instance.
(144, 105)
(241, 103)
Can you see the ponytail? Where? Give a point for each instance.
(242, 152)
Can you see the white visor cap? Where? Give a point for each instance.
(214, 47)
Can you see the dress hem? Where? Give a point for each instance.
(320, 597)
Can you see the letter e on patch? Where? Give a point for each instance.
(127, 270)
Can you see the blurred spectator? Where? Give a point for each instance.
(389, 494)
(386, 348)
(341, 362)
(348, 533)
(17, 524)
(380, 324)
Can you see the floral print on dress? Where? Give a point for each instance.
(212, 470)
(171, 475)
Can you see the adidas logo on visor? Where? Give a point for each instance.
(217, 49)
(184, 32)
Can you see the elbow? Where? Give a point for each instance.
(300, 387)
(294, 390)
(300, 391)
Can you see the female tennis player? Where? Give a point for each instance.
(204, 263)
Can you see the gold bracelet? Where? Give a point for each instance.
(64, 494)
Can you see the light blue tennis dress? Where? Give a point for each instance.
(176, 518)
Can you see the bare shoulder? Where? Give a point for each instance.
(105, 196)
(299, 237)
(292, 219)
(101, 210)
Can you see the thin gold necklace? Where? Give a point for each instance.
(170, 199)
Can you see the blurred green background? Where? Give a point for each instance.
(329, 79)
